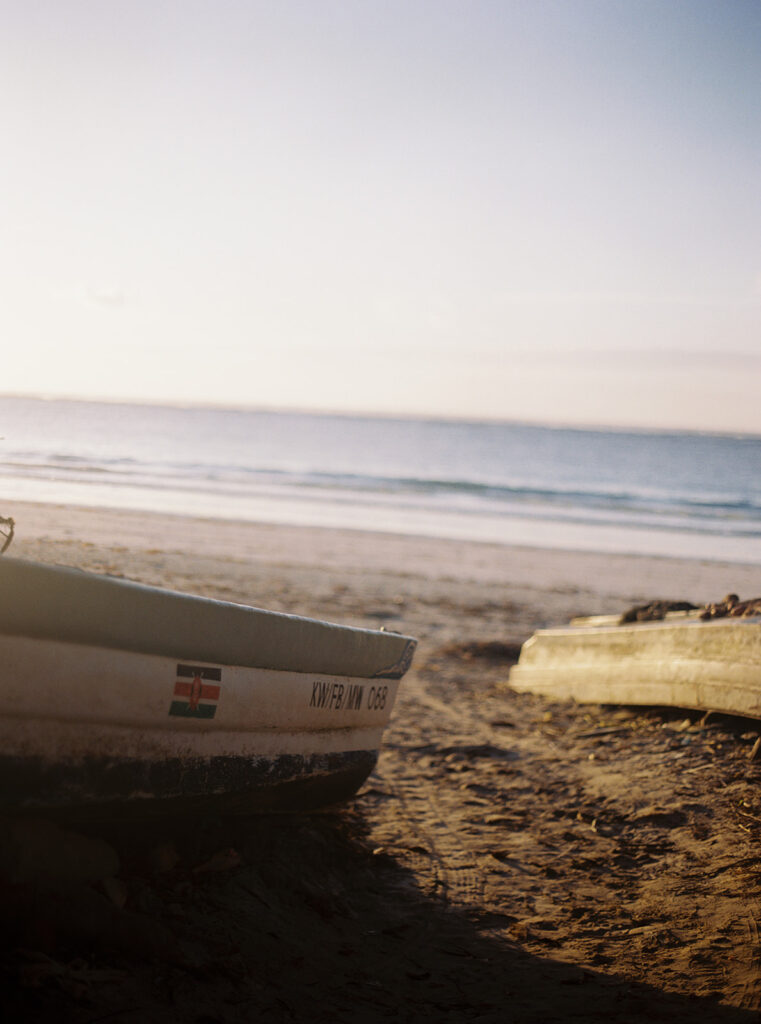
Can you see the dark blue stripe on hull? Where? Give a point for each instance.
(231, 785)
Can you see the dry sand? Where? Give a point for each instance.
(510, 860)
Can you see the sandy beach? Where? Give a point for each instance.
(511, 859)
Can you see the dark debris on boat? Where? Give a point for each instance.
(732, 606)
(654, 610)
(729, 606)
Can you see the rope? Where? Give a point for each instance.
(7, 526)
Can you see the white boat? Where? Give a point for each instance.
(118, 695)
(682, 661)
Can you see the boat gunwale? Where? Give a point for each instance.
(70, 605)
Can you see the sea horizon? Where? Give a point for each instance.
(376, 414)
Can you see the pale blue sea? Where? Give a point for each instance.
(682, 494)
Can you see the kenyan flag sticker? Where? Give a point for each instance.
(198, 689)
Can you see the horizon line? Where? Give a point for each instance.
(219, 406)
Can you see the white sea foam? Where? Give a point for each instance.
(679, 494)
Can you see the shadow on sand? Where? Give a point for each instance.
(285, 919)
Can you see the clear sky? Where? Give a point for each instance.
(521, 209)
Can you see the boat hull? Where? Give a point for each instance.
(93, 729)
(680, 662)
(93, 726)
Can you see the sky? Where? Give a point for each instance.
(544, 210)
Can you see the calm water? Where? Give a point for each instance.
(660, 493)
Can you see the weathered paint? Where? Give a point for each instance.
(103, 786)
(711, 666)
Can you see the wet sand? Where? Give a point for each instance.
(511, 859)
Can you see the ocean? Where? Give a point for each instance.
(681, 494)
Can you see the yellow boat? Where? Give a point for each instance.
(682, 661)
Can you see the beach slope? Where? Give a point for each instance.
(510, 859)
